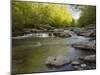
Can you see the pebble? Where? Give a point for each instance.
(83, 65)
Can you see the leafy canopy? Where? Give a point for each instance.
(26, 14)
(88, 15)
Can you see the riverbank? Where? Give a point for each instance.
(87, 31)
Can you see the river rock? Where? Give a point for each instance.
(27, 30)
(48, 27)
(58, 30)
(86, 45)
(93, 34)
(75, 63)
(90, 58)
(57, 61)
(81, 58)
(86, 33)
(38, 30)
(62, 34)
(49, 60)
(77, 29)
(90, 27)
(88, 30)
(43, 26)
(83, 65)
(76, 67)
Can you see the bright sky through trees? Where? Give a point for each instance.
(75, 13)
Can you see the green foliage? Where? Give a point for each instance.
(26, 14)
(59, 15)
(22, 14)
(88, 15)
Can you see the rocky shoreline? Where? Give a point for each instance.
(89, 31)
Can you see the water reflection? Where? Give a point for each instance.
(29, 54)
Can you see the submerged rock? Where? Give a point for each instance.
(57, 61)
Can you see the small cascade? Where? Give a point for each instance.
(40, 35)
(75, 38)
(23, 36)
(32, 35)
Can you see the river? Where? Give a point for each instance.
(30, 51)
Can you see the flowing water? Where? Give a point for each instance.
(29, 53)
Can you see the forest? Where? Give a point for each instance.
(28, 14)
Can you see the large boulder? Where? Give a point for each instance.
(57, 61)
(89, 58)
(85, 45)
